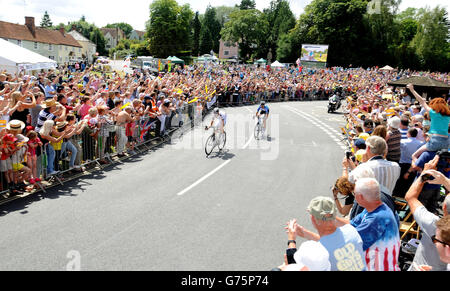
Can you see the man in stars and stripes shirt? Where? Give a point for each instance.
(377, 227)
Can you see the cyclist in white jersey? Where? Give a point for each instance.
(220, 117)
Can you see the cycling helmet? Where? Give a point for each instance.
(263, 102)
(216, 110)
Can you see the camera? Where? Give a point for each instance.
(348, 154)
(427, 177)
(443, 155)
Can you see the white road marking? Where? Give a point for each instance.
(216, 169)
(321, 125)
(203, 178)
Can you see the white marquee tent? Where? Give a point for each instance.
(276, 64)
(14, 58)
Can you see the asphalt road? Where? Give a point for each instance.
(174, 209)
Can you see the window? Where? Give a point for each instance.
(66, 48)
(19, 42)
(36, 46)
(226, 53)
(51, 57)
(50, 47)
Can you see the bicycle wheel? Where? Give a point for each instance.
(222, 141)
(210, 144)
(258, 130)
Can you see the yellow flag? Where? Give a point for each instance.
(193, 100)
(126, 105)
(206, 88)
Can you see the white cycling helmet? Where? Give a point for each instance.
(216, 110)
(263, 102)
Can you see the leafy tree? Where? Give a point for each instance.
(206, 41)
(125, 27)
(223, 14)
(247, 4)
(431, 43)
(169, 28)
(46, 22)
(281, 21)
(210, 36)
(197, 26)
(247, 28)
(96, 36)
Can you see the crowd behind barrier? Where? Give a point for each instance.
(63, 121)
(391, 202)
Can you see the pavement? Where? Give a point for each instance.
(174, 209)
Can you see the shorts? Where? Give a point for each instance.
(437, 143)
(6, 165)
(17, 167)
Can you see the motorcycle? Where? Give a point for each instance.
(334, 103)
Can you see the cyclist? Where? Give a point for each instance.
(263, 111)
(220, 117)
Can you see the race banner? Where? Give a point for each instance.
(314, 53)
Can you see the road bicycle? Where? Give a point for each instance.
(217, 138)
(259, 127)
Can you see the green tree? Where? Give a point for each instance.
(169, 28)
(125, 27)
(206, 41)
(96, 36)
(431, 43)
(197, 26)
(281, 21)
(247, 28)
(210, 35)
(247, 4)
(223, 14)
(46, 22)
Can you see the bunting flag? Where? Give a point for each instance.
(159, 65)
(145, 128)
(193, 100)
(206, 88)
(126, 105)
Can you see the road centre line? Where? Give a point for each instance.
(216, 169)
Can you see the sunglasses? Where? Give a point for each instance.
(435, 240)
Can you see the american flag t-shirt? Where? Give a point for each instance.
(381, 239)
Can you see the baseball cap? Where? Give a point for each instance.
(322, 208)
(313, 255)
(360, 143)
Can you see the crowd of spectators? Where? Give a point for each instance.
(398, 154)
(62, 119)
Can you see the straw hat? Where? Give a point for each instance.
(15, 125)
(61, 124)
(49, 103)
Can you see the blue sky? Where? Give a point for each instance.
(134, 12)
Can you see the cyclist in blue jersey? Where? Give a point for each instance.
(263, 111)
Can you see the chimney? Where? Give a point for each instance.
(62, 30)
(29, 22)
(74, 27)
